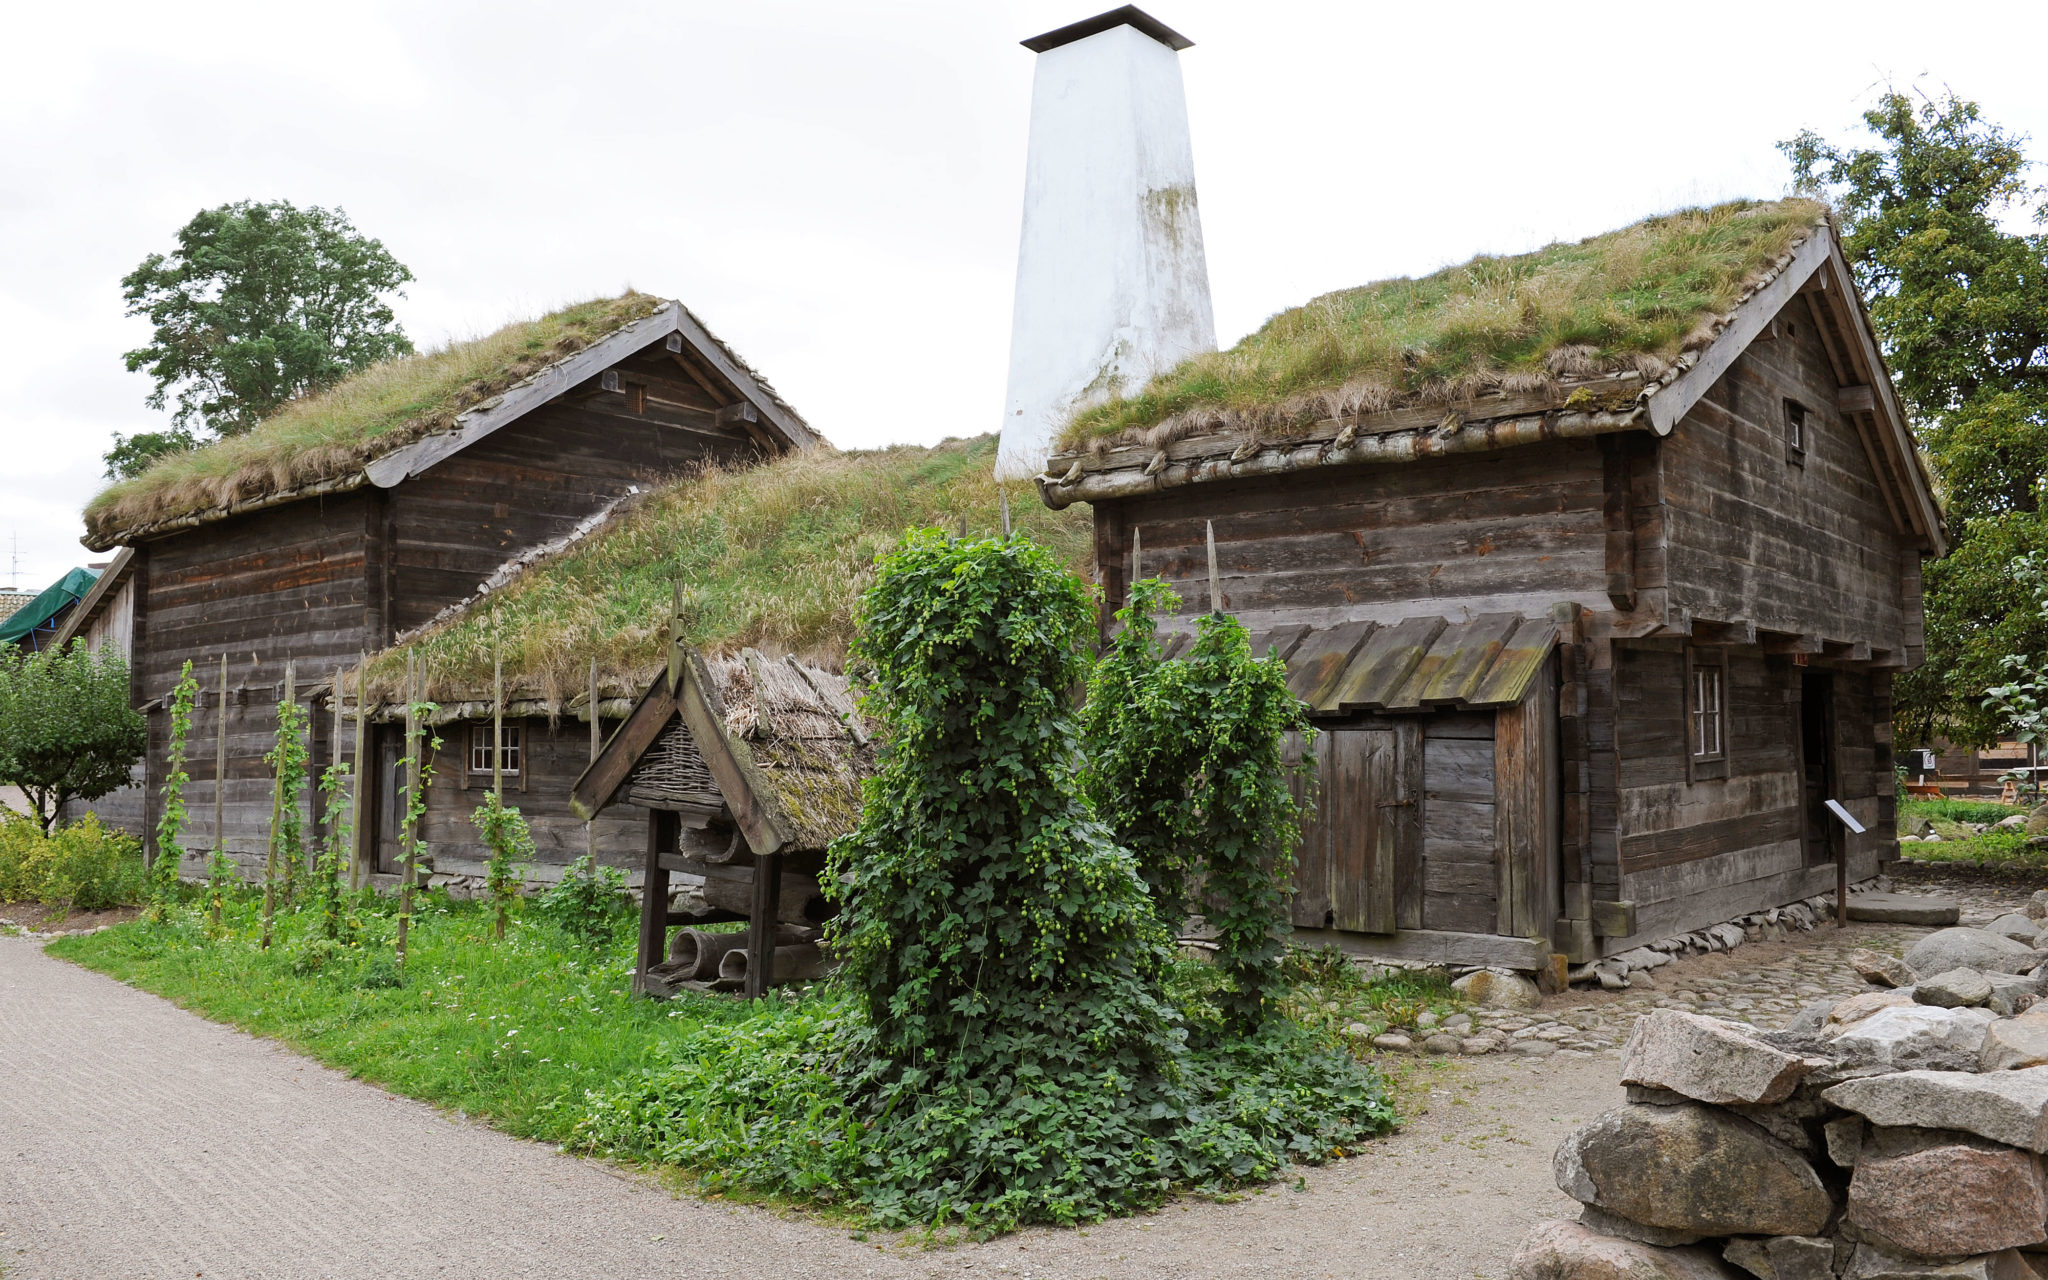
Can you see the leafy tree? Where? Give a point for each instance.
(259, 302)
(1960, 302)
(66, 729)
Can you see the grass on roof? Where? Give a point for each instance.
(329, 434)
(774, 556)
(1630, 299)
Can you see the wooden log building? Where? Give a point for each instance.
(352, 518)
(1589, 650)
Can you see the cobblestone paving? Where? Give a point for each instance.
(1764, 983)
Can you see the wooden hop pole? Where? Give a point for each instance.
(596, 745)
(409, 827)
(1137, 554)
(498, 729)
(220, 759)
(358, 871)
(276, 813)
(1215, 578)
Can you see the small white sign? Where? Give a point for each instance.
(1835, 806)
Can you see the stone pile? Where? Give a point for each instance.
(1890, 1135)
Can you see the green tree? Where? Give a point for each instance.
(1960, 302)
(259, 302)
(66, 729)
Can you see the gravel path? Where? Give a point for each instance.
(140, 1140)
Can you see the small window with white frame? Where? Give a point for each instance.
(1706, 714)
(1796, 424)
(480, 749)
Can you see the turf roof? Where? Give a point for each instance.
(326, 437)
(1630, 299)
(773, 556)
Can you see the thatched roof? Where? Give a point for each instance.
(1631, 302)
(772, 557)
(401, 416)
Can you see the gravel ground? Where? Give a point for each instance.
(140, 1140)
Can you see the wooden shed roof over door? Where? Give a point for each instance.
(1417, 664)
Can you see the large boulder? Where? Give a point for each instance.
(1784, 1257)
(1496, 990)
(1970, 949)
(2020, 928)
(1707, 1059)
(1877, 967)
(1858, 1007)
(1955, 989)
(2004, 1106)
(2010, 1043)
(1944, 1199)
(1903, 1033)
(1904, 908)
(1568, 1251)
(1694, 1169)
(1872, 1263)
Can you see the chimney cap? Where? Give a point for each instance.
(1129, 15)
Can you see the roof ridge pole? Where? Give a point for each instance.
(1215, 578)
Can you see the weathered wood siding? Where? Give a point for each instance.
(1805, 547)
(1697, 853)
(1460, 881)
(1513, 531)
(553, 759)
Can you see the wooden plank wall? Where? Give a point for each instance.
(1460, 876)
(535, 480)
(554, 758)
(1806, 548)
(1517, 530)
(1694, 854)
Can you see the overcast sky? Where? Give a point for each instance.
(835, 187)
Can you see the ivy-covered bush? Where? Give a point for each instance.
(1186, 764)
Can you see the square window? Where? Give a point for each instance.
(480, 749)
(1795, 431)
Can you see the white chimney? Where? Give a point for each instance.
(1112, 286)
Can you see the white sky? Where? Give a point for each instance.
(835, 187)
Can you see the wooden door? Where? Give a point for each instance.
(1347, 866)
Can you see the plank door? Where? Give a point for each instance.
(1346, 865)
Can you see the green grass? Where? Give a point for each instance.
(1958, 842)
(1631, 299)
(512, 1032)
(329, 434)
(774, 556)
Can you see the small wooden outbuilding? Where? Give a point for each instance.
(1593, 633)
(748, 768)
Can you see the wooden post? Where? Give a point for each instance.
(1137, 554)
(407, 826)
(498, 729)
(761, 924)
(276, 814)
(661, 826)
(220, 759)
(596, 745)
(359, 865)
(334, 800)
(1005, 495)
(1215, 578)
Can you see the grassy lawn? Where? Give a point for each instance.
(499, 1030)
(1956, 822)
(515, 1032)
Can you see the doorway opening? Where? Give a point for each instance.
(1817, 765)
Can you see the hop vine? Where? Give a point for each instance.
(170, 827)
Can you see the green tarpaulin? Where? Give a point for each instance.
(35, 616)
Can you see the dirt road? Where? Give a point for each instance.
(137, 1140)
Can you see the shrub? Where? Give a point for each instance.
(588, 903)
(83, 867)
(505, 833)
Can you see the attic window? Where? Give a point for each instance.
(1795, 432)
(1706, 714)
(480, 749)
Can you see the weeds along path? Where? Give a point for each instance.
(139, 1140)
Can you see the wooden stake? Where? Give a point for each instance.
(407, 826)
(1215, 578)
(220, 759)
(359, 866)
(596, 745)
(1137, 554)
(1005, 495)
(498, 729)
(276, 814)
(334, 800)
